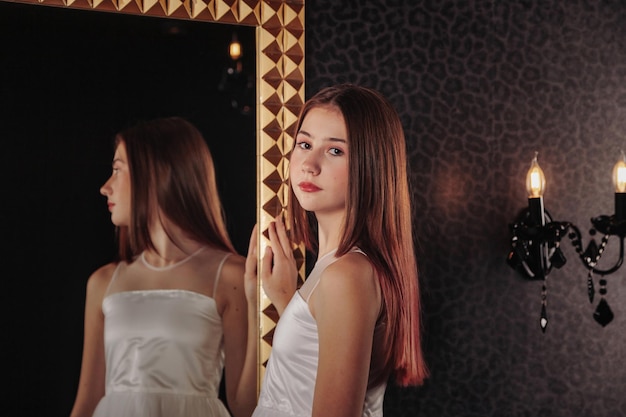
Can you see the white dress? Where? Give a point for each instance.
(163, 348)
(289, 381)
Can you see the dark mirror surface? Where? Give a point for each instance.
(70, 79)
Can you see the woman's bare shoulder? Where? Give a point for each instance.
(233, 268)
(101, 277)
(230, 285)
(230, 279)
(352, 265)
(349, 287)
(352, 271)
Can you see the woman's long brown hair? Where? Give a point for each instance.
(378, 219)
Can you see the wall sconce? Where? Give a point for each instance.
(535, 245)
(236, 82)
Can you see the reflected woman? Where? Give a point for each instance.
(165, 321)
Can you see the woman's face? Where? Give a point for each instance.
(318, 165)
(117, 188)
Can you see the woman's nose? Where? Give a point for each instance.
(105, 190)
(311, 165)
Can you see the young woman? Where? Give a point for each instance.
(164, 322)
(355, 322)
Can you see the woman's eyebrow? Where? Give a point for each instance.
(331, 139)
(337, 140)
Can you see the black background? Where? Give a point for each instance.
(70, 79)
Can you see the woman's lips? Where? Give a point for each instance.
(308, 187)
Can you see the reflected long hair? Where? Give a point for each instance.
(378, 219)
(171, 172)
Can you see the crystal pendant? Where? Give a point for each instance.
(543, 322)
(603, 313)
(592, 253)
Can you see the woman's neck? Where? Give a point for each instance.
(329, 231)
(171, 247)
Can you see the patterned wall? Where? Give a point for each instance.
(481, 85)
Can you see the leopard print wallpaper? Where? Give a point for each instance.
(480, 86)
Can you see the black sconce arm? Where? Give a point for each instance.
(526, 236)
(591, 255)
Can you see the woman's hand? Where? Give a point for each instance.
(279, 270)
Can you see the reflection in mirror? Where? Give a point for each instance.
(71, 79)
(279, 53)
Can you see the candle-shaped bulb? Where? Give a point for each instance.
(535, 180)
(234, 49)
(619, 175)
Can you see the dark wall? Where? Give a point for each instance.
(481, 85)
(69, 80)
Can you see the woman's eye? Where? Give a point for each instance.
(335, 151)
(303, 145)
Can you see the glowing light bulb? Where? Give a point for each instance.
(234, 49)
(536, 181)
(619, 175)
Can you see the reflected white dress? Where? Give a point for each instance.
(289, 381)
(163, 347)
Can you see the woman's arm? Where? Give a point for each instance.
(346, 305)
(240, 338)
(92, 373)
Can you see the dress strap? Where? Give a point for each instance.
(116, 272)
(308, 297)
(219, 272)
(324, 262)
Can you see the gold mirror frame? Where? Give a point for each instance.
(279, 96)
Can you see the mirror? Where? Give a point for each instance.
(278, 34)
